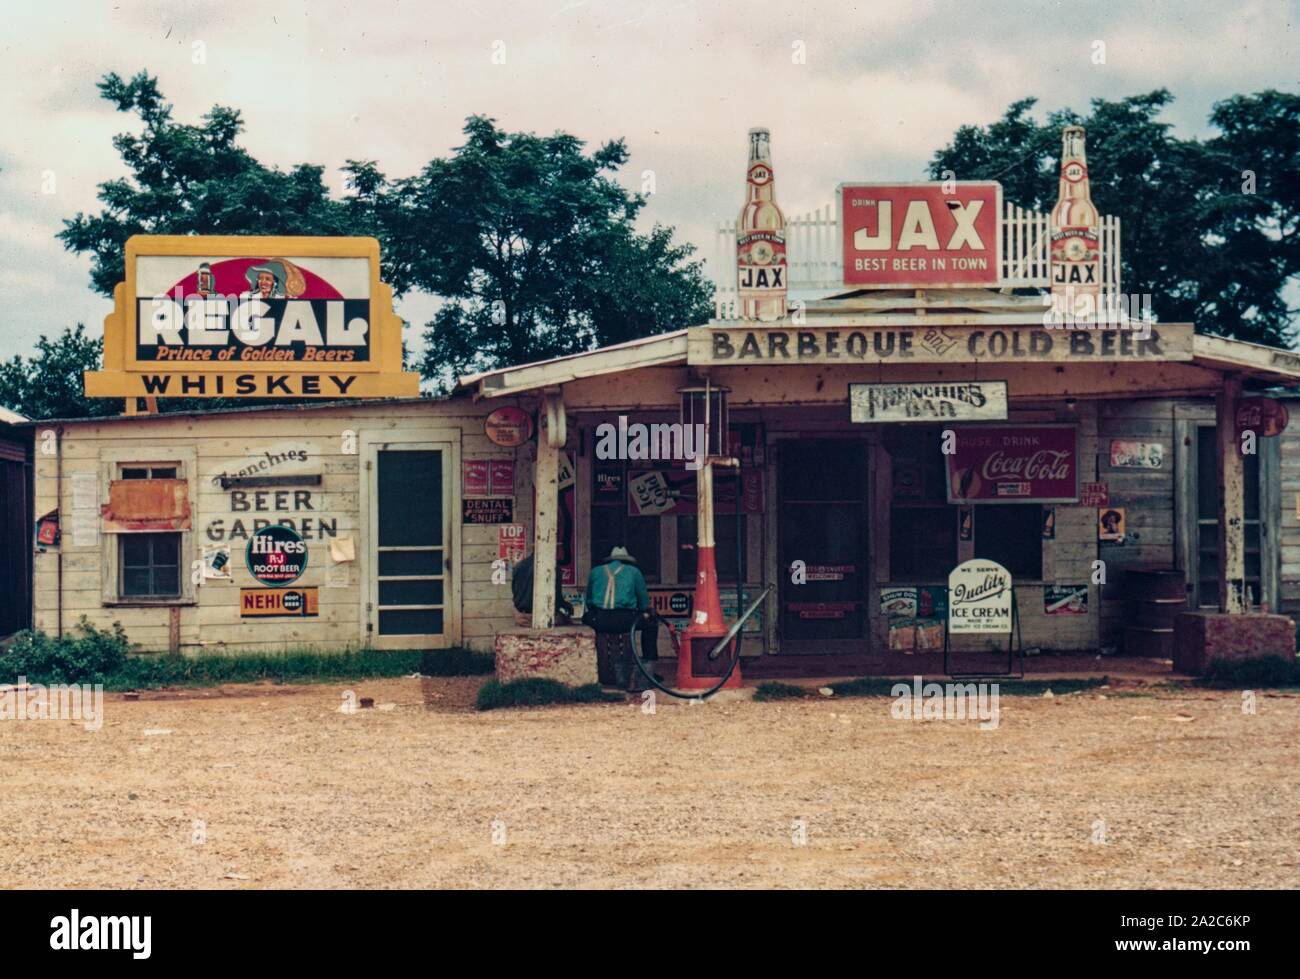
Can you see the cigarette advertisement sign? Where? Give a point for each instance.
(1014, 464)
(921, 235)
(979, 598)
(247, 317)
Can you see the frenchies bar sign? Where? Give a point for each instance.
(241, 317)
(1014, 464)
(918, 235)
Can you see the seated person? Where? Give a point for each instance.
(521, 588)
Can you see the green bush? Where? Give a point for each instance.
(535, 691)
(1267, 671)
(84, 655)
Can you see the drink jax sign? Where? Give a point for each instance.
(935, 345)
(1014, 464)
(921, 235)
(926, 402)
(249, 317)
(979, 598)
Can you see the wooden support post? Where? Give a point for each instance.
(1232, 515)
(546, 485)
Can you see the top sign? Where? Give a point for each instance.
(917, 236)
(252, 317)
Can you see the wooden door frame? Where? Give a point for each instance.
(370, 444)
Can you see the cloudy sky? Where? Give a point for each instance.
(882, 85)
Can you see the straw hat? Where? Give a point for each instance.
(621, 554)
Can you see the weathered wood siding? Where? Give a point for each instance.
(207, 446)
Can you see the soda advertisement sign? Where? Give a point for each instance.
(979, 598)
(261, 602)
(276, 555)
(1014, 464)
(917, 236)
(246, 316)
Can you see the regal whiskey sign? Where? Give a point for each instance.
(240, 317)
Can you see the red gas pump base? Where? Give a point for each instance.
(695, 671)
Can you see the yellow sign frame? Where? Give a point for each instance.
(123, 374)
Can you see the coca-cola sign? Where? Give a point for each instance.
(1014, 464)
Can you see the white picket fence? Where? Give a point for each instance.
(814, 255)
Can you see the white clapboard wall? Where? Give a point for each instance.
(813, 251)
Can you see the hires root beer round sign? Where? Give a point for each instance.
(276, 555)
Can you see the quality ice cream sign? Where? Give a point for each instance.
(252, 317)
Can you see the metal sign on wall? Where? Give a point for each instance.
(928, 402)
(252, 317)
(979, 598)
(920, 235)
(1025, 463)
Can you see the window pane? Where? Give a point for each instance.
(413, 622)
(135, 473)
(922, 543)
(166, 549)
(135, 581)
(823, 469)
(1011, 535)
(410, 562)
(135, 550)
(166, 581)
(164, 472)
(426, 592)
(410, 498)
(724, 537)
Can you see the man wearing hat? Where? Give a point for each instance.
(617, 597)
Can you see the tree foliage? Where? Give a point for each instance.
(529, 241)
(1208, 227)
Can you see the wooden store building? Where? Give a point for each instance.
(909, 408)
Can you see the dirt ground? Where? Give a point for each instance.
(423, 792)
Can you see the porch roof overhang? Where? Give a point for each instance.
(1254, 364)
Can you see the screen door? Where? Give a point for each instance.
(410, 530)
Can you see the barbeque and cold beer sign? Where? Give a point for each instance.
(248, 317)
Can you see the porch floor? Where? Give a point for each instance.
(1045, 666)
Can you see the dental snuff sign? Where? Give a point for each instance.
(252, 317)
(979, 598)
(921, 235)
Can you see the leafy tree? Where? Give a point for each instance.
(193, 180)
(531, 242)
(1207, 246)
(48, 384)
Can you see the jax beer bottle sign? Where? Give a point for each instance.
(1075, 225)
(760, 238)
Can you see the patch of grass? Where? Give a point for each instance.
(144, 672)
(776, 690)
(535, 691)
(1267, 671)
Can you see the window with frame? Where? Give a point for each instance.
(924, 539)
(149, 562)
(612, 526)
(1012, 535)
(923, 524)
